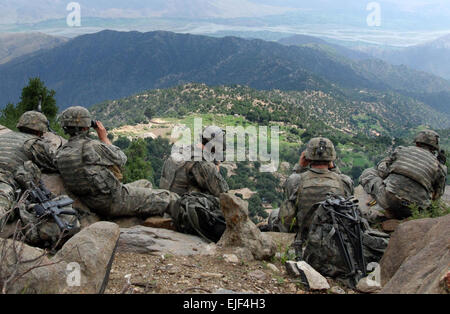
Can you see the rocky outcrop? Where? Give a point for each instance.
(241, 236)
(81, 266)
(140, 239)
(418, 257)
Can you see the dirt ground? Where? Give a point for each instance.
(168, 274)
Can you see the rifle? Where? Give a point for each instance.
(41, 196)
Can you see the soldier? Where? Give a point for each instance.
(198, 182)
(90, 169)
(21, 155)
(319, 177)
(284, 219)
(410, 175)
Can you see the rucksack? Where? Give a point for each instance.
(199, 214)
(339, 242)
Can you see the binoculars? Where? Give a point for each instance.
(94, 124)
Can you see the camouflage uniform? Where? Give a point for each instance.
(89, 170)
(199, 183)
(410, 175)
(282, 220)
(315, 184)
(192, 176)
(21, 156)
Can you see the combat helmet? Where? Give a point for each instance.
(76, 116)
(428, 137)
(320, 149)
(33, 120)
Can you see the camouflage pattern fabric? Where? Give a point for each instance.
(410, 175)
(315, 186)
(199, 214)
(192, 176)
(33, 120)
(284, 218)
(323, 252)
(44, 232)
(200, 184)
(16, 148)
(86, 168)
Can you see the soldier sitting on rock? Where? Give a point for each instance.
(410, 175)
(90, 170)
(284, 219)
(22, 155)
(199, 183)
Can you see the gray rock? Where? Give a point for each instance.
(241, 234)
(258, 275)
(337, 290)
(417, 257)
(91, 251)
(313, 278)
(140, 239)
(231, 258)
(368, 285)
(273, 268)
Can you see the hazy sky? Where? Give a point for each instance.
(403, 22)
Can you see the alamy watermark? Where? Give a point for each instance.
(74, 17)
(73, 271)
(374, 18)
(231, 145)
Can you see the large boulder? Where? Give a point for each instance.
(81, 266)
(140, 239)
(241, 234)
(418, 257)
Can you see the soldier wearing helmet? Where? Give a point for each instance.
(23, 155)
(410, 175)
(90, 169)
(197, 179)
(314, 177)
(319, 154)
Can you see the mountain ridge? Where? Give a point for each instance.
(110, 65)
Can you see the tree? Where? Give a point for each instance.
(137, 166)
(149, 113)
(31, 94)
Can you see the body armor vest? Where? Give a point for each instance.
(80, 177)
(417, 164)
(175, 176)
(314, 188)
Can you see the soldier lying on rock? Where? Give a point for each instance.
(22, 155)
(410, 175)
(90, 170)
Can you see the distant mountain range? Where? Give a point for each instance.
(432, 57)
(13, 45)
(110, 65)
(311, 41)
